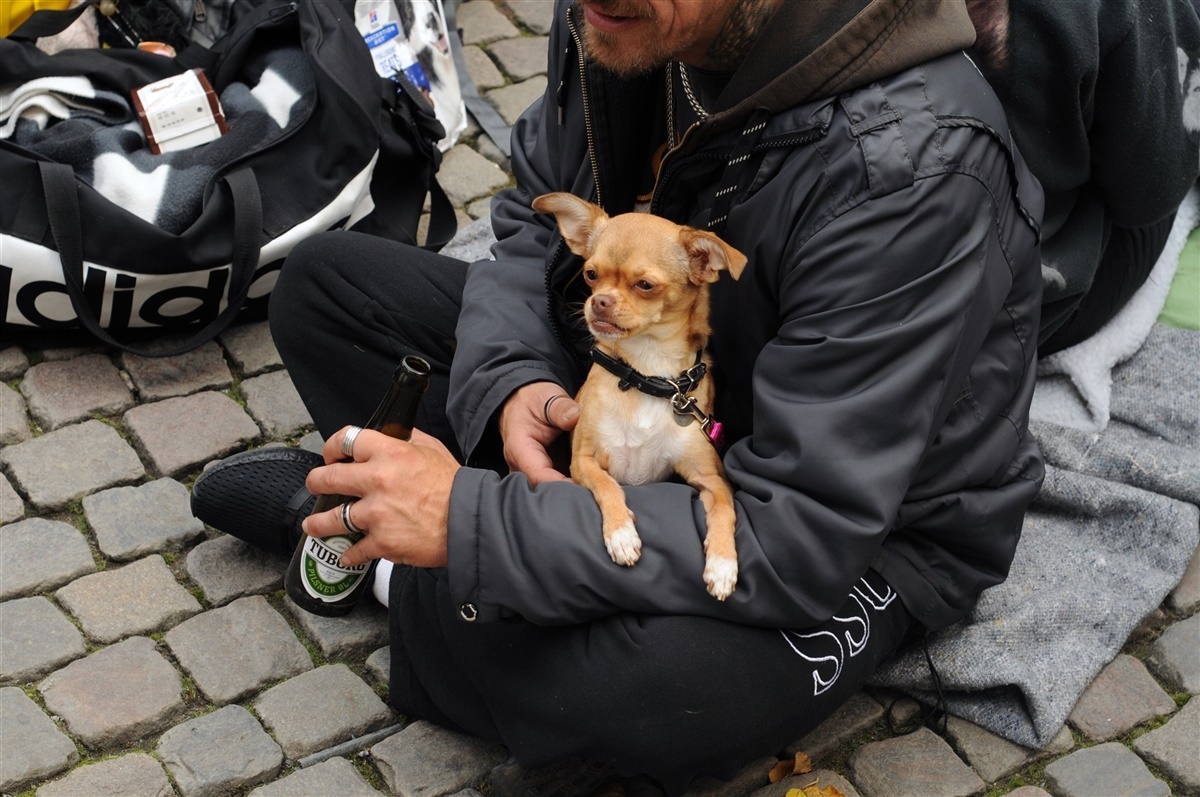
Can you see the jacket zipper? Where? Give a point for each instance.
(587, 110)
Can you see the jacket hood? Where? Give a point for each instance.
(813, 49)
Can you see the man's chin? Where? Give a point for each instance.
(619, 57)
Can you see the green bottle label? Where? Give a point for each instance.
(323, 578)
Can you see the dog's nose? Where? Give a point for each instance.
(602, 302)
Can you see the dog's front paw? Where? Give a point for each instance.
(623, 544)
(720, 574)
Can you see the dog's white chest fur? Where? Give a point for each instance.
(645, 441)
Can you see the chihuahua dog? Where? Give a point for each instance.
(648, 314)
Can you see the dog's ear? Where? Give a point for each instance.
(578, 220)
(708, 256)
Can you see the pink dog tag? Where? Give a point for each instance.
(716, 433)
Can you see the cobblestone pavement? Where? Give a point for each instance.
(125, 666)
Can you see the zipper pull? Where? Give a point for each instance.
(199, 12)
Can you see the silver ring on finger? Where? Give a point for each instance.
(549, 402)
(347, 522)
(348, 441)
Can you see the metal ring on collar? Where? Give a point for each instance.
(347, 522)
(348, 441)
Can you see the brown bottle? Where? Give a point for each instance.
(314, 580)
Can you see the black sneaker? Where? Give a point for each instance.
(258, 496)
(564, 779)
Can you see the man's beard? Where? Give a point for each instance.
(606, 48)
(746, 21)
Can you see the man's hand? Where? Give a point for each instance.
(404, 497)
(528, 425)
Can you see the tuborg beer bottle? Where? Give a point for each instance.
(315, 580)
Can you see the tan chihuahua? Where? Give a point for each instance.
(648, 314)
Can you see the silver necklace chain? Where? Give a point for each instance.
(691, 97)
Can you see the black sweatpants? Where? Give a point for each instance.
(669, 697)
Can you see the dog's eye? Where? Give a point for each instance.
(644, 285)
(589, 275)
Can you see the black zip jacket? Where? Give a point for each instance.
(874, 363)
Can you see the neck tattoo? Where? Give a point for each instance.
(741, 29)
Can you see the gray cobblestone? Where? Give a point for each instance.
(482, 22)
(312, 442)
(180, 434)
(521, 58)
(379, 664)
(155, 378)
(994, 757)
(35, 638)
(334, 776)
(1186, 595)
(12, 506)
(67, 391)
(1101, 770)
(1028, 791)
(353, 636)
(511, 101)
(219, 753)
(251, 348)
(537, 15)
(483, 70)
(13, 363)
(212, 647)
(14, 418)
(272, 399)
(920, 763)
(71, 462)
(41, 554)
(1175, 656)
(132, 775)
(1175, 747)
(424, 760)
(140, 597)
(321, 708)
(465, 174)
(116, 695)
(1123, 696)
(131, 522)
(226, 568)
(856, 715)
(480, 208)
(33, 747)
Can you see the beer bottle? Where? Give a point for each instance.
(315, 581)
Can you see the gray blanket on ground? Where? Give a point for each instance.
(1106, 540)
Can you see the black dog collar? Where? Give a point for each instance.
(659, 386)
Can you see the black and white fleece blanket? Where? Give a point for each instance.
(69, 120)
(1108, 537)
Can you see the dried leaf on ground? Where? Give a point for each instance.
(800, 765)
(814, 790)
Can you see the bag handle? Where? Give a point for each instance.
(62, 208)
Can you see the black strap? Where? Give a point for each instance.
(658, 386)
(489, 119)
(443, 221)
(62, 209)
